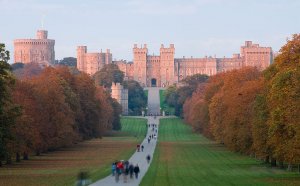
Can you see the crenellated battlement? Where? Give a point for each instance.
(40, 50)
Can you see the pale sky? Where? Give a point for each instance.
(196, 27)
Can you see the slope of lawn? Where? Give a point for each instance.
(62, 167)
(184, 158)
(164, 106)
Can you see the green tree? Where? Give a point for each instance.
(137, 99)
(8, 111)
(67, 61)
(176, 97)
(109, 73)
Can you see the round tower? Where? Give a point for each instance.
(116, 91)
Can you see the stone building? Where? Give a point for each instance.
(92, 62)
(121, 95)
(164, 69)
(39, 50)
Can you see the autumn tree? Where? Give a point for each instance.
(283, 98)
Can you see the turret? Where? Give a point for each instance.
(42, 34)
(81, 51)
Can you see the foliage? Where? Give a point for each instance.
(59, 108)
(254, 113)
(8, 110)
(137, 99)
(175, 97)
(67, 61)
(283, 102)
(109, 73)
(26, 71)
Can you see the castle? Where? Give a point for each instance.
(39, 50)
(149, 70)
(164, 69)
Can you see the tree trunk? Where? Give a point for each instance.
(273, 162)
(25, 156)
(267, 159)
(18, 157)
(290, 167)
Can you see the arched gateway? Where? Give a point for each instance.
(153, 82)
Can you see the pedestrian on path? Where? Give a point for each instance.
(136, 171)
(142, 148)
(148, 140)
(113, 169)
(131, 167)
(148, 158)
(126, 171)
(138, 147)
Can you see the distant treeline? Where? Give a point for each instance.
(251, 112)
(46, 109)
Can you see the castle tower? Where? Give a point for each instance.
(140, 64)
(167, 65)
(121, 95)
(256, 56)
(42, 34)
(39, 50)
(81, 51)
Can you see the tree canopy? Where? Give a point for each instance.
(137, 99)
(109, 73)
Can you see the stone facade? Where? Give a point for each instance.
(164, 69)
(39, 50)
(121, 95)
(92, 62)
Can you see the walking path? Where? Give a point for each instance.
(140, 157)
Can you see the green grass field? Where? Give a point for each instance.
(163, 105)
(185, 159)
(61, 167)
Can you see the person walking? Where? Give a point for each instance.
(126, 171)
(138, 147)
(113, 169)
(148, 158)
(131, 167)
(142, 148)
(136, 171)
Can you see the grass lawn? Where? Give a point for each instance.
(61, 167)
(164, 105)
(184, 158)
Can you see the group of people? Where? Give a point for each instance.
(126, 169)
(153, 135)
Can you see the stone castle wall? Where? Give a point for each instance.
(40, 50)
(92, 62)
(164, 69)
